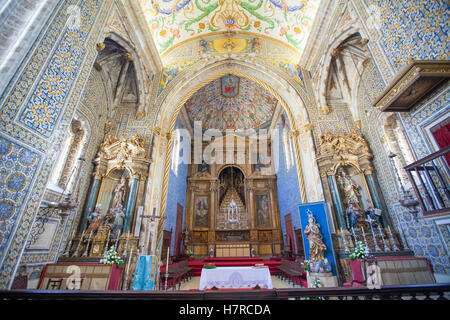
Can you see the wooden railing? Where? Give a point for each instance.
(409, 292)
(429, 178)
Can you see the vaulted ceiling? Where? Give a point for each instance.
(232, 103)
(175, 21)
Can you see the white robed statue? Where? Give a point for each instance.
(233, 212)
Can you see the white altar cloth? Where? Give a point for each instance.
(235, 277)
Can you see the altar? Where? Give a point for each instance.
(235, 278)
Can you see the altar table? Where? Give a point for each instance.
(235, 277)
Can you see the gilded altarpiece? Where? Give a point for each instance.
(116, 192)
(358, 209)
(232, 205)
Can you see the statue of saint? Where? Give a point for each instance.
(353, 212)
(94, 219)
(350, 188)
(119, 193)
(316, 246)
(119, 218)
(373, 215)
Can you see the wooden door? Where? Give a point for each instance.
(178, 230)
(290, 242)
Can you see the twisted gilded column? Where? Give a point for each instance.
(294, 135)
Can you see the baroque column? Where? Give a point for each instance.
(131, 204)
(92, 199)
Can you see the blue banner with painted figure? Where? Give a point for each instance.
(318, 211)
(147, 273)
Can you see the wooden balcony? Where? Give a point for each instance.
(430, 180)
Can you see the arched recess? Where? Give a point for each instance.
(124, 47)
(271, 80)
(350, 44)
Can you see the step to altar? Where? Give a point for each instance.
(197, 265)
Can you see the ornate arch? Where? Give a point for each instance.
(293, 103)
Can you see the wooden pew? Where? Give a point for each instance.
(291, 271)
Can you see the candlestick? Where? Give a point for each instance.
(128, 268)
(346, 250)
(126, 246)
(117, 239)
(365, 240)
(391, 237)
(167, 268)
(386, 248)
(354, 236)
(377, 248)
(67, 251)
(75, 254)
(85, 254)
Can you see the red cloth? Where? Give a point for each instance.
(442, 137)
(357, 274)
(114, 278)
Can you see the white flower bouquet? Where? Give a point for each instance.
(112, 257)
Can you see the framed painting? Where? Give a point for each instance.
(262, 210)
(201, 211)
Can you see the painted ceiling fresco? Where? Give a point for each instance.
(174, 21)
(232, 103)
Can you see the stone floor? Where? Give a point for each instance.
(277, 283)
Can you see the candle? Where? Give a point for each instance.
(167, 262)
(129, 260)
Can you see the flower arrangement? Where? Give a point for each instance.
(188, 253)
(306, 266)
(112, 257)
(360, 251)
(209, 266)
(316, 283)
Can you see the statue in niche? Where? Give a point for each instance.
(350, 188)
(316, 246)
(353, 212)
(119, 193)
(119, 218)
(233, 212)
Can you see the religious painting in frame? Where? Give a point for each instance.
(262, 210)
(201, 211)
(229, 86)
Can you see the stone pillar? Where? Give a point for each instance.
(91, 200)
(339, 208)
(131, 205)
